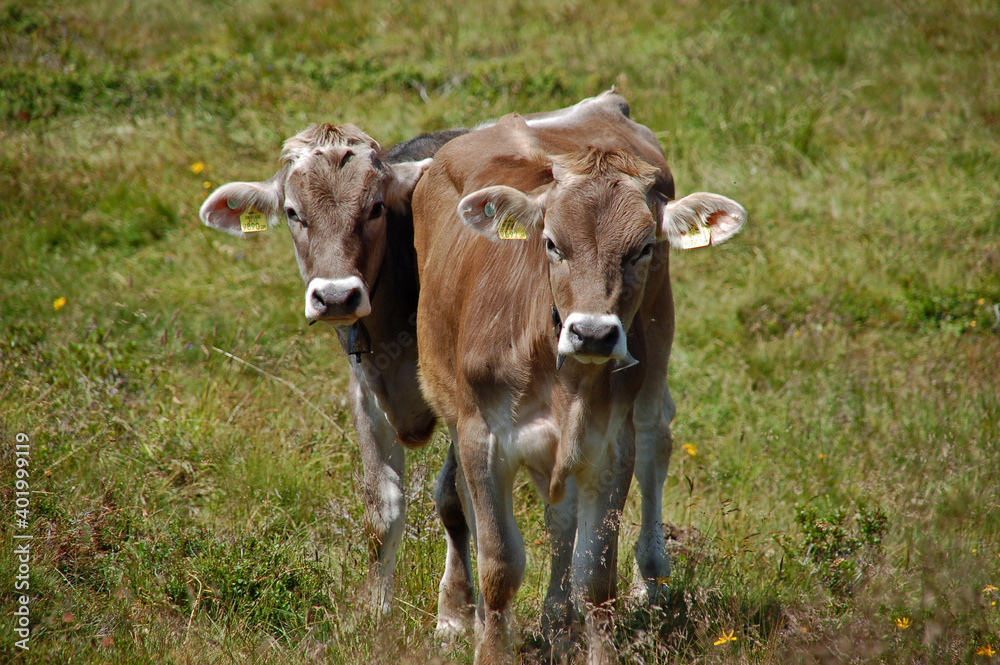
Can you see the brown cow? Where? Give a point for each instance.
(348, 209)
(544, 330)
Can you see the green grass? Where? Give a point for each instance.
(836, 366)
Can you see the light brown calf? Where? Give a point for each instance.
(544, 329)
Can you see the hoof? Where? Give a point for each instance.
(450, 628)
(378, 598)
(649, 592)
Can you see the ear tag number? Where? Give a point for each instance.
(511, 229)
(489, 209)
(252, 221)
(698, 236)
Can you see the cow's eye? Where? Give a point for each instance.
(554, 252)
(376, 210)
(645, 252)
(294, 217)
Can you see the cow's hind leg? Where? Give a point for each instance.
(384, 462)
(456, 605)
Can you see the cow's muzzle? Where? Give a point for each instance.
(593, 338)
(337, 301)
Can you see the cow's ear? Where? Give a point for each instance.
(225, 207)
(403, 178)
(699, 220)
(503, 213)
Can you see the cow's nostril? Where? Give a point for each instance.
(318, 301)
(611, 338)
(353, 300)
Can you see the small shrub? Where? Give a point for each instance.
(838, 549)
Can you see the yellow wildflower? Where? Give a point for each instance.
(985, 650)
(902, 623)
(972, 324)
(197, 168)
(822, 456)
(981, 301)
(207, 184)
(663, 580)
(58, 303)
(690, 449)
(989, 588)
(727, 636)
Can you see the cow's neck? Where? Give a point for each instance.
(588, 385)
(599, 389)
(394, 303)
(389, 370)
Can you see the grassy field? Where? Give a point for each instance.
(835, 489)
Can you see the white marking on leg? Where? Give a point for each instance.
(385, 503)
(455, 592)
(392, 518)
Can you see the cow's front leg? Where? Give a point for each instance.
(601, 499)
(558, 616)
(456, 604)
(500, 556)
(385, 501)
(653, 449)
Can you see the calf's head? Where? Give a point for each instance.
(335, 192)
(600, 219)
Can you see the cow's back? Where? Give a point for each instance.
(512, 152)
(452, 259)
(421, 147)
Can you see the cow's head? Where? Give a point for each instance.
(600, 219)
(334, 191)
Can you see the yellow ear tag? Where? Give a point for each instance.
(698, 236)
(511, 229)
(252, 221)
